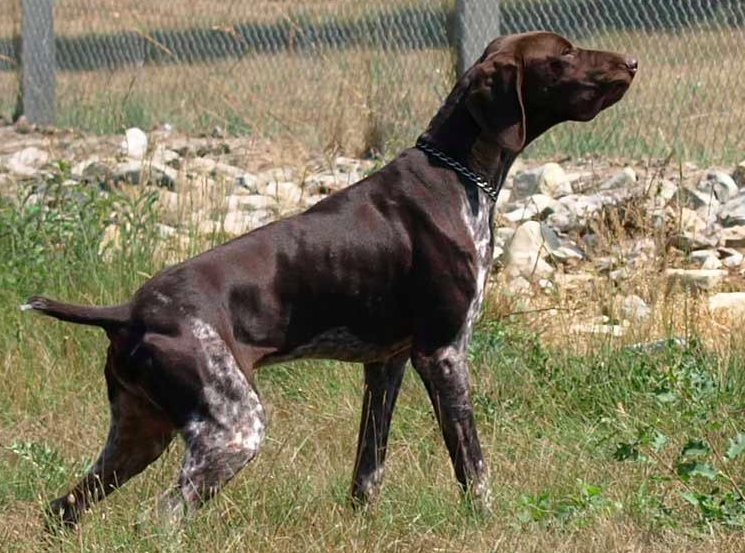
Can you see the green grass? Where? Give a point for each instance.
(593, 447)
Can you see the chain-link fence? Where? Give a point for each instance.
(362, 75)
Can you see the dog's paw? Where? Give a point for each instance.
(62, 514)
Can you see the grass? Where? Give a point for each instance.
(359, 101)
(592, 445)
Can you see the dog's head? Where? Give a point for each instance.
(525, 83)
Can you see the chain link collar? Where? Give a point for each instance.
(490, 190)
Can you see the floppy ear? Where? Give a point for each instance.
(495, 99)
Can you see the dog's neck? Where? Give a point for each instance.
(455, 132)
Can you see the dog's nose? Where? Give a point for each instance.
(632, 64)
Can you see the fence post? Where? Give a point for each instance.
(476, 24)
(38, 66)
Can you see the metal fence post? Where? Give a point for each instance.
(476, 23)
(38, 67)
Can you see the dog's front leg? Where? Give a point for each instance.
(444, 372)
(382, 382)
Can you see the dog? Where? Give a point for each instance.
(390, 269)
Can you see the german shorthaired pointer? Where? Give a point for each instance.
(390, 269)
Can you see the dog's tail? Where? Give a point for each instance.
(108, 318)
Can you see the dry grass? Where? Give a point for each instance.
(685, 99)
(334, 101)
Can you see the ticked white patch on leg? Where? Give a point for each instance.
(220, 444)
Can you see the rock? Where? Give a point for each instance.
(619, 275)
(166, 231)
(697, 199)
(730, 257)
(703, 258)
(625, 178)
(169, 201)
(545, 284)
(549, 180)
(310, 200)
(692, 231)
(164, 156)
(250, 201)
(634, 308)
(110, 242)
(657, 345)
(161, 175)
(518, 285)
(97, 174)
(129, 172)
(732, 213)
(503, 235)
(598, 326)
(240, 222)
(702, 279)
(23, 125)
(208, 227)
(248, 181)
(134, 143)
(733, 237)
(284, 192)
(26, 162)
(532, 206)
(664, 190)
(711, 263)
(720, 184)
(738, 175)
(135, 172)
(732, 303)
(526, 252)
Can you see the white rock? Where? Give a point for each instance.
(518, 285)
(732, 213)
(250, 201)
(711, 263)
(720, 184)
(701, 258)
(128, 171)
(733, 237)
(703, 279)
(285, 192)
(733, 303)
(239, 222)
(134, 143)
(634, 308)
(738, 175)
(549, 179)
(26, 162)
(696, 199)
(527, 249)
(529, 207)
(168, 200)
(730, 257)
(613, 330)
(623, 179)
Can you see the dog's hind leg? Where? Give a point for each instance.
(138, 434)
(223, 435)
(382, 382)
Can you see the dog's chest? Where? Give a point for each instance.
(477, 213)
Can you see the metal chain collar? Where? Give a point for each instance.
(460, 168)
